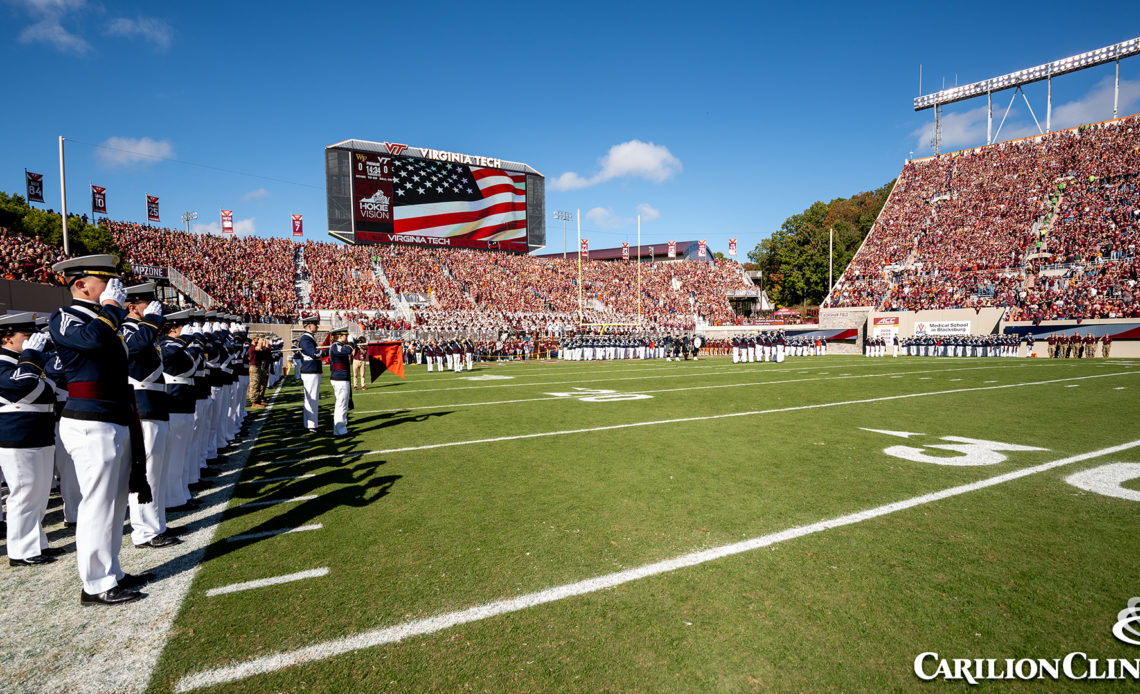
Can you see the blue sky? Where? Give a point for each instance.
(713, 121)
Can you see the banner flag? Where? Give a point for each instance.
(98, 200)
(152, 208)
(700, 249)
(732, 246)
(625, 251)
(227, 221)
(672, 249)
(297, 230)
(35, 183)
(385, 356)
(585, 252)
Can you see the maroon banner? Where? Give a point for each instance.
(625, 250)
(585, 250)
(227, 221)
(732, 246)
(35, 183)
(445, 241)
(152, 208)
(700, 249)
(297, 230)
(98, 200)
(672, 249)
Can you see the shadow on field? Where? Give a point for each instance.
(362, 488)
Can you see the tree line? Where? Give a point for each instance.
(794, 259)
(47, 226)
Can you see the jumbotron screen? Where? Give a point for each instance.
(397, 194)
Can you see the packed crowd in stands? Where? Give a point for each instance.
(341, 276)
(1047, 226)
(28, 259)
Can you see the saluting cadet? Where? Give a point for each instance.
(340, 361)
(99, 426)
(140, 331)
(27, 438)
(180, 357)
(311, 369)
(64, 466)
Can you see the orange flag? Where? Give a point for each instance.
(385, 356)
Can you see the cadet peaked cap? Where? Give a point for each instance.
(103, 265)
(179, 317)
(339, 331)
(198, 313)
(142, 292)
(42, 322)
(211, 314)
(20, 322)
(311, 320)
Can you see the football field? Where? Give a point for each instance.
(674, 527)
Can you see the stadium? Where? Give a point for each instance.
(910, 461)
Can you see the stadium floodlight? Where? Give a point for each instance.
(565, 217)
(1016, 80)
(188, 217)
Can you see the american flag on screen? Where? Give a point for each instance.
(447, 199)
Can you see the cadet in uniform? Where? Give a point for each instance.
(99, 426)
(311, 369)
(140, 331)
(180, 358)
(340, 363)
(27, 438)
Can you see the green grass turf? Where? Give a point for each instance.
(1030, 568)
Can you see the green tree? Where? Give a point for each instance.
(794, 259)
(83, 239)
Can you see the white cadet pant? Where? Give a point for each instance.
(148, 520)
(201, 428)
(341, 390)
(29, 476)
(312, 383)
(179, 449)
(68, 482)
(102, 455)
(211, 425)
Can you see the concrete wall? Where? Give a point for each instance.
(17, 297)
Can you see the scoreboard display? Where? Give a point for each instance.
(381, 192)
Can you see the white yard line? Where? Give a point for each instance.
(263, 582)
(51, 644)
(271, 533)
(431, 625)
(274, 502)
(887, 398)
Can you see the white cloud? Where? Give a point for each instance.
(256, 194)
(634, 159)
(648, 214)
(128, 151)
(241, 226)
(968, 128)
(155, 31)
(48, 28)
(606, 218)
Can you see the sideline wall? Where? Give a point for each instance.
(1121, 348)
(17, 297)
(845, 319)
(984, 322)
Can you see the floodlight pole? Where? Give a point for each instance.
(63, 197)
(1049, 103)
(639, 269)
(1116, 94)
(989, 117)
(830, 259)
(581, 314)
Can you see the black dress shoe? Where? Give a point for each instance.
(318, 430)
(116, 596)
(160, 541)
(130, 581)
(208, 472)
(199, 485)
(175, 531)
(51, 551)
(191, 505)
(31, 561)
(69, 524)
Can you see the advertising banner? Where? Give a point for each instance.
(150, 271)
(948, 327)
(625, 250)
(886, 327)
(585, 250)
(408, 200)
(672, 249)
(732, 246)
(98, 200)
(297, 230)
(227, 221)
(701, 248)
(35, 183)
(152, 208)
